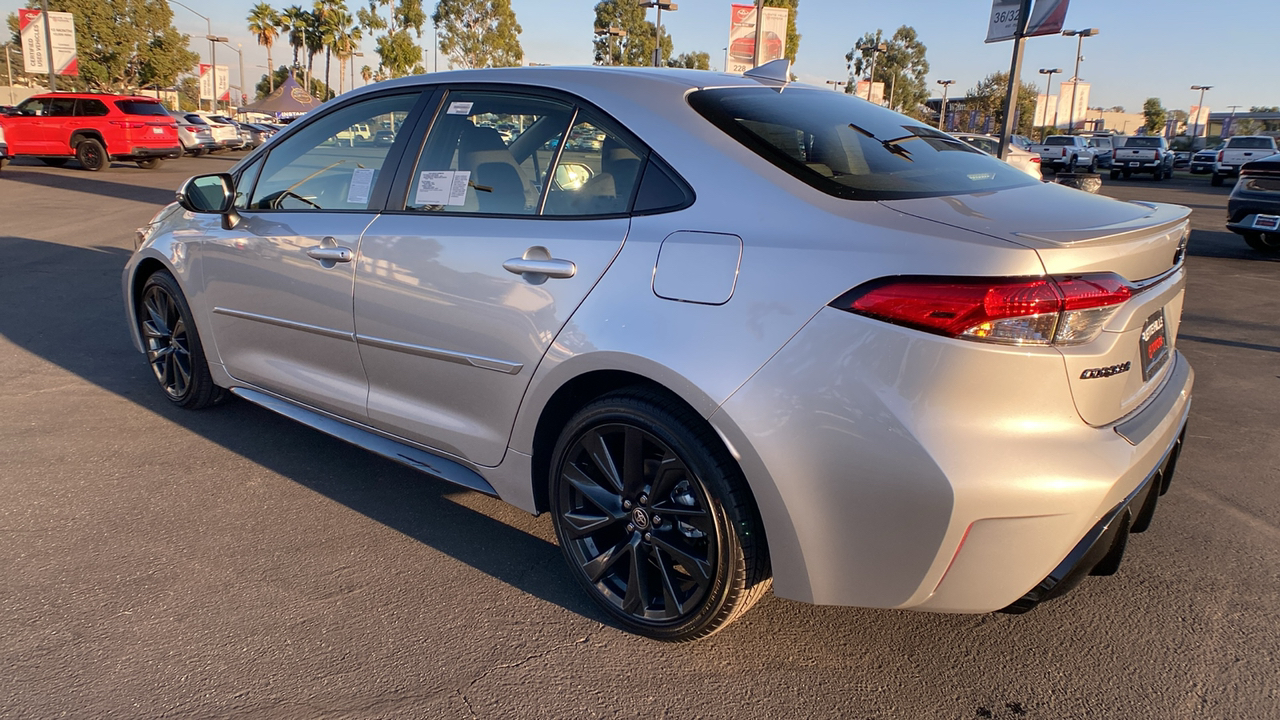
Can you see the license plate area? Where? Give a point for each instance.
(1153, 344)
(1267, 222)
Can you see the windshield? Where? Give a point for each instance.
(849, 148)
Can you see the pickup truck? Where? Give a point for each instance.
(1240, 150)
(1143, 153)
(1059, 152)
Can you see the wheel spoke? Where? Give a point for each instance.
(670, 472)
(580, 524)
(593, 442)
(596, 567)
(668, 587)
(606, 500)
(636, 600)
(699, 569)
(632, 463)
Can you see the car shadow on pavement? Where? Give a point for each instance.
(92, 183)
(1223, 244)
(85, 333)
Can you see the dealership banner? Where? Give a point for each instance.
(1047, 18)
(742, 36)
(206, 83)
(62, 31)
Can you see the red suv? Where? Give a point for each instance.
(93, 128)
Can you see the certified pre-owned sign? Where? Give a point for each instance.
(1047, 18)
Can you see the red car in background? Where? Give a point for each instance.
(744, 48)
(93, 128)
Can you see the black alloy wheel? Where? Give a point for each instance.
(654, 518)
(172, 345)
(91, 154)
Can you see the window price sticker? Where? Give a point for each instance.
(442, 187)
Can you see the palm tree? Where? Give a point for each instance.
(263, 22)
(347, 35)
(294, 19)
(366, 74)
(323, 11)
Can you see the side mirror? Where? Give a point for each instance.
(572, 175)
(210, 195)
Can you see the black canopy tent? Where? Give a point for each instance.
(288, 99)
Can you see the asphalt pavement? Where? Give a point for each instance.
(228, 563)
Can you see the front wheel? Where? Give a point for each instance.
(91, 154)
(150, 163)
(172, 344)
(1265, 243)
(655, 518)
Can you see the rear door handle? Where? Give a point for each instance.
(537, 265)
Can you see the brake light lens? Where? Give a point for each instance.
(131, 124)
(1066, 310)
(1221, 154)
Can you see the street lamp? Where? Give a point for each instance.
(213, 63)
(835, 84)
(354, 55)
(880, 48)
(661, 5)
(942, 114)
(1075, 81)
(239, 51)
(1200, 109)
(611, 33)
(1048, 85)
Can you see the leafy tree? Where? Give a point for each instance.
(189, 93)
(902, 68)
(1265, 109)
(264, 23)
(692, 60)
(1179, 116)
(793, 37)
(346, 38)
(986, 100)
(122, 44)
(294, 20)
(398, 53)
(479, 33)
(1116, 109)
(636, 48)
(1155, 115)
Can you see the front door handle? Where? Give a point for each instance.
(537, 265)
(330, 253)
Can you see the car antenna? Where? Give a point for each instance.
(775, 71)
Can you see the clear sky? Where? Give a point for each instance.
(1146, 48)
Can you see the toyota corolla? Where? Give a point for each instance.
(759, 335)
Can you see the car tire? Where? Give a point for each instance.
(1265, 243)
(91, 155)
(1216, 180)
(1093, 165)
(1115, 174)
(55, 161)
(173, 346)
(197, 153)
(1127, 174)
(150, 163)
(1071, 165)
(655, 519)
(1158, 175)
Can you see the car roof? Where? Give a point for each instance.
(98, 96)
(582, 78)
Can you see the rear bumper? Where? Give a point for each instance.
(152, 152)
(1201, 168)
(1228, 170)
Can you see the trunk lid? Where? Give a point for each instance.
(1076, 233)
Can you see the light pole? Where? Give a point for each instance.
(240, 51)
(875, 49)
(661, 5)
(209, 34)
(354, 55)
(610, 33)
(213, 61)
(1075, 80)
(8, 64)
(942, 114)
(835, 84)
(1048, 86)
(1200, 109)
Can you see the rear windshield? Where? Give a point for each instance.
(1059, 140)
(1249, 142)
(1142, 142)
(196, 120)
(141, 107)
(849, 148)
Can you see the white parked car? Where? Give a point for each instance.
(753, 337)
(1025, 160)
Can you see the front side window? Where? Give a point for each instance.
(34, 106)
(488, 152)
(849, 148)
(312, 170)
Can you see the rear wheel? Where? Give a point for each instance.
(1115, 174)
(1216, 180)
(1265, 243)
(1093, 164)
(173, 346)
(91, 154)
(1071, 164)
(55, 161)
(655, 519)
(1127, 174)
(1158, 175)
(150, 163)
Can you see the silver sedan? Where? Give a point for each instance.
(758, 335)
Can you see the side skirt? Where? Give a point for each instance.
(433, 465)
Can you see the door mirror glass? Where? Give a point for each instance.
(207, 194)
(572, 175)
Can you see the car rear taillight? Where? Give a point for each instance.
(1064, 310)
(131, 124)
(1036, 159)
(1221, 154)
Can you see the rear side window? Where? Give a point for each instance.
(89, 107)
(1249, 143)
(849, 148)
(141, 107)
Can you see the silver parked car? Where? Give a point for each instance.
(761, 333)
